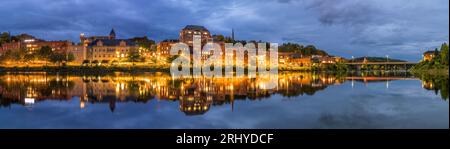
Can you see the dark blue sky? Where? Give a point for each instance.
(398, 28)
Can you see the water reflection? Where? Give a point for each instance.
(194, 96)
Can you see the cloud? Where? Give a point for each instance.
(353, 12)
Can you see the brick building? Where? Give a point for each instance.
(163, 48)
(187, 33)
(109, 50)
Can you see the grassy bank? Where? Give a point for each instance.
(137, 69)
(85, 70)
(430, 69)
(431, 72)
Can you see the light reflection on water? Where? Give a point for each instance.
(154, 100)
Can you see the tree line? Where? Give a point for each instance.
(439, 61)
(45, 53)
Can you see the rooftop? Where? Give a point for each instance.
(113, 42)
(429, 52)
(195, 27)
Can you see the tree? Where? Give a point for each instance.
(171, 58)
(44, 53)
(70, 57)
(219, 37)
(17, 54)
(4, 38)
(144, 42)
(229, 40)
(134, 56)
(444, 54)
(4, 57)
(29, 57)
(57, 58)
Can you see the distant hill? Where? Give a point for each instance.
(376, 59)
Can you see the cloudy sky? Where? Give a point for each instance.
(398, 28)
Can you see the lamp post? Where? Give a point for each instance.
(387, 60)
(353, 66)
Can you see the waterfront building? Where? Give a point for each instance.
(110, 50)
(79, 52)
(428, 55)
(103, 51)
(324, 59)
(338, 59)
(288, 57)
(187, 33)
(302, 62)
(32, 45)
(86, 40)
(56, 46)
(163, 48)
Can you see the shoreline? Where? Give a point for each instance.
(152, 69)
(431, 72)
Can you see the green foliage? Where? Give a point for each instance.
(44, 53)
(219, 37)
(172, 58)
(438, 63)
(70, 57)
(341, 66)
(444, 58)
(134, 56)
(228, 40)
(57, 57)
(4, 38)
(16, 54)
(297, 48)
(440, 83)
(29, 57)
(377, 59)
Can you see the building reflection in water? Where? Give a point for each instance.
(195, 96)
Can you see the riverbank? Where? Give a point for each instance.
(430, 70)
(134, 69)
(105, 70)
(85, 70)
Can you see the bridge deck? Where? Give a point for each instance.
(382, 63)
(380, 78)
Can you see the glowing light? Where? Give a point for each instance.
(29, 100)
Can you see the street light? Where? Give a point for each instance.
(387, 60)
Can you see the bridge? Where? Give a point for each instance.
(387, 65)
(368, 79)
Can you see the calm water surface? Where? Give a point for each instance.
(154, 100)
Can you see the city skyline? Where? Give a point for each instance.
(400, 29)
